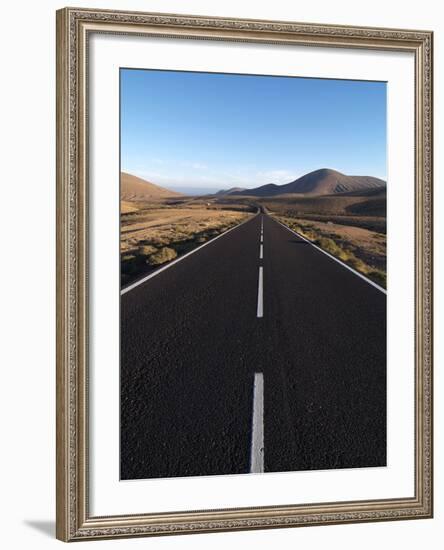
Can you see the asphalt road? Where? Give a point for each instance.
(223, 375)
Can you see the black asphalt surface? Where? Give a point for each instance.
(191, 343)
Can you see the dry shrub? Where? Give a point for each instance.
(325, 241)
(358, 264)
(329, 245)
(146, 250)
(378, 277)
(162, 256)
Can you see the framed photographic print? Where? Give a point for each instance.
(244, 276)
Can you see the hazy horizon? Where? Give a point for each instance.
(203, 132)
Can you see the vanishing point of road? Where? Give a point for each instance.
(255, 353)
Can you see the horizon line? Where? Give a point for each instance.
(222, 186)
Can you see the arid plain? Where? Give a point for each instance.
(344, 215)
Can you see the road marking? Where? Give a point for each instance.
(261, 252)
(257, 437)
(151, 275)
(260, 294)
(363, 277)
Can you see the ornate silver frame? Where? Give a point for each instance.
(73, 519)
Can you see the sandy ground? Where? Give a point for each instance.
(162, 226)
(369, 246)
(358, 236)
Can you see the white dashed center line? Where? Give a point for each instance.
(260, 290)
(260, 294)
(257, 438)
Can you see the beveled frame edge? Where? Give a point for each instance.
(73, 521)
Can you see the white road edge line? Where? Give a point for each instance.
(151, 275)
(260, 293)
(257, 437)
(363, 277)
(261, 252)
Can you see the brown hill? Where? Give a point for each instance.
(133, 188)
(319, 182)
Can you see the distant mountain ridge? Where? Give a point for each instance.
(230, 191)
(320, 182)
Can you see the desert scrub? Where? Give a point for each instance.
(302, 229)
(379, 277)
(329, 245)
(165, 254)
(153, 238)
(132, 265)
(146, 250)
(334, 245)
(358, 264)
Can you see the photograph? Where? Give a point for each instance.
(253, 274)
(244, 273)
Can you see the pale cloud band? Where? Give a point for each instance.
(198, 174)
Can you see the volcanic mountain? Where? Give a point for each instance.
(320, 182)
(230, 191)
(133, 188)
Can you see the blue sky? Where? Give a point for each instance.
(211, 131)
